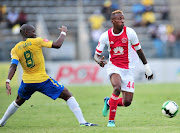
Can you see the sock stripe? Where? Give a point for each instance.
(115, 97)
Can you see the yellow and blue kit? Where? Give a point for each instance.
(29, 54)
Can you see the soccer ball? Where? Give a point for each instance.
(170, 109)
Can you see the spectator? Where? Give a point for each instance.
(162, 32)
(159, 35)
(137, 10)
(96, 22)
(1, 15)
(114, 6)
(152, 30)
(12, 18)
(22, 18)
(159, 47)
(148, 18)
(171, 45)
(165, 12)
(137, 20)
(177, 46)
(147, 2)
(106, 9)
(2, 12)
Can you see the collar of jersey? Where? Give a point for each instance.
(117, 34)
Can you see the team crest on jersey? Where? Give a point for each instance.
(111, 42)
(118, 50)
(46, 40)
(124, 40)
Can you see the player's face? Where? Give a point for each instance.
(118, 21)
(31, 33)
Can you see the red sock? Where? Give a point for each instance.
(113, 102)
(120, 102)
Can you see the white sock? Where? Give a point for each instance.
(74, 106)
(10, 111)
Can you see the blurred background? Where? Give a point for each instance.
(155, 22)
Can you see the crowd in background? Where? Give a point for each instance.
(165, 39)
(13, 18)
(97, 21)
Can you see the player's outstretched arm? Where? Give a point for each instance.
(100, 60)
(58, 43)
(11, 73)
(148, 73)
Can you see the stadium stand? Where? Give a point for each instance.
(64, 12)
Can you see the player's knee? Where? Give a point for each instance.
(19, 101)
(127, 103)
(66, 94)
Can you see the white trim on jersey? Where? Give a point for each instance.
(132, 40)
(104, 40)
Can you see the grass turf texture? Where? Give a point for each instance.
(40, 114)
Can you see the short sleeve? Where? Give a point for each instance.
(134, 39)
(103, 40)
(14, 55)
(44, 42)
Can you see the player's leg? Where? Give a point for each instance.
(74, 107)
(72, 104)
(11, 110)
(113, 101)
(127, 98)
(66, 94)
(55, 90)
(24, 93)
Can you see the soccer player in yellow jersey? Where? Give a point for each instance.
(29, 53)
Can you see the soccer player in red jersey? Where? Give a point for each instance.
(124, 53)
(29, 53)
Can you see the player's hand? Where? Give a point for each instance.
(149, 77)
(101, 62)
(63, 29)
(148, 73)
(8, 88)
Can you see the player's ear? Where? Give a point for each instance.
(25, 33)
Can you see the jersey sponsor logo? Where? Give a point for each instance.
(124, 40)
(46, 40)
(118, 50)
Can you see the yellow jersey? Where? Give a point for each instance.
(96, 21)
(29, 54)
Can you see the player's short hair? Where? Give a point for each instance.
(117, 11)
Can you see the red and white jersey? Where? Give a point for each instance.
(122, 47)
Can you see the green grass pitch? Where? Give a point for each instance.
(40, 114)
